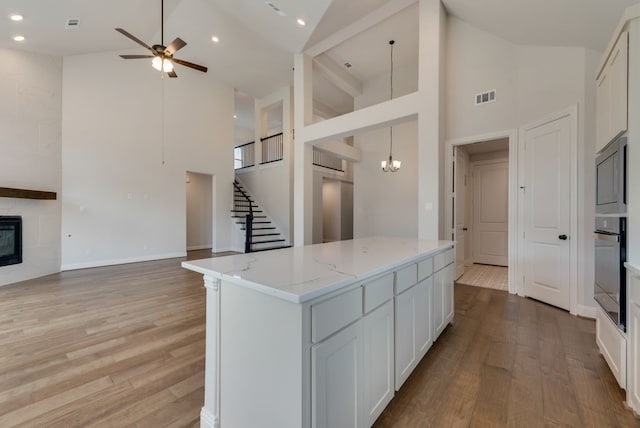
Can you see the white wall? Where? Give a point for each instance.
(121, 203)
(386, 203)
(531, 82)
(199, 211)
(30, 143)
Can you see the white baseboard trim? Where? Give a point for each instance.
(228, 249)
(198, 247)
(100, 263)
(208, 420)
(587, 311)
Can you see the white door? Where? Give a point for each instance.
(461, 167)
(491, 213)
(545, 159)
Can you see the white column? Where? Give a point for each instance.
(303, 153)
(432, 18)
(210, 413)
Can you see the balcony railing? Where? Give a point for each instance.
(272, 148)
(244, 155)
(327, 160)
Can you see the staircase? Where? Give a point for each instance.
(260, 233)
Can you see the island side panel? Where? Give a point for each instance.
(261, 360)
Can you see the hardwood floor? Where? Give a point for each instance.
(509, 361)
(114, 346)
(124, 346)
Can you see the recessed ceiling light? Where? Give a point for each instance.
(19, 38)
(215, 39)
(301, 22)
(235, 116)
(16, 17)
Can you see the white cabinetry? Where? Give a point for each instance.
(611, 95)
(336, 382)
(633, 332)
(443, 291)
(413, 328)
(378, 361)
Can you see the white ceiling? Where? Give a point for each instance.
(499, 145)
(254, 53)
(587, 23)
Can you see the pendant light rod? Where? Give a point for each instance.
(391, 165)
(162, 22)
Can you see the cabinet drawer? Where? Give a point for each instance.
(331, 315)
(440, 261)
(406, 277)
(425, 269)
(377, 292)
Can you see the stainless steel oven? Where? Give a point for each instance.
(610, 278)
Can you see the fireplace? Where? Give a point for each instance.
(10, 240)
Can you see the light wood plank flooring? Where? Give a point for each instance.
(510, 361)
(124, 346)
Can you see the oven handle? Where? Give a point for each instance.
(606, 237)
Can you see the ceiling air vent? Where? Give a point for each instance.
(72, 23)
(486, 97)
(275, 8)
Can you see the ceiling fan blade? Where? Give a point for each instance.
(134, 38)
(190, 65)
(172, 73)
(136, 56)
(175, 46)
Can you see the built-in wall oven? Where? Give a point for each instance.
(610, 279)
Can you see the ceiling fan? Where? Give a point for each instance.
(163, 59)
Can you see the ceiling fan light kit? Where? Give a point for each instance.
(162, 56)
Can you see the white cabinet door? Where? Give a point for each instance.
(336, 382)
(603, 107)
(378, 361)
(633, 370)
(448, 293)
(413, 329)
(618, 71)
(611, 95)
(439, 321)
(424, 328)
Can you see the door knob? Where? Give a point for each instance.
(563, 237)
(464, 229)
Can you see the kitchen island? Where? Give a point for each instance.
(321, 335)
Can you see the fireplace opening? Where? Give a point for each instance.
(10, 240)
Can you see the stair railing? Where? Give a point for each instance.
(248, 224)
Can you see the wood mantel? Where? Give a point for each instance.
(8, 192)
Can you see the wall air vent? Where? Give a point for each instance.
(72, 23)
(275, 8)
(486, 97)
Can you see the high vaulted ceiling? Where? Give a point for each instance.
(256, 44)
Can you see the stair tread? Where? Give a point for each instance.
(268, 241)
(277, 247)
(265, 234)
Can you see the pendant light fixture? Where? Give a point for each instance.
(391, 165)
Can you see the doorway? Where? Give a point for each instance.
(481, 187)
(337, 210)
(199, 211)
(542, 201)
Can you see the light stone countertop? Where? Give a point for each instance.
(299, 274)
(635, 270)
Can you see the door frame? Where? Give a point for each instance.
(572, 113)
(515, 287)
